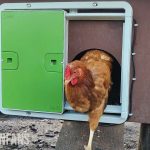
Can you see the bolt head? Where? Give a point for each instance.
(95, 4)
(28, 5)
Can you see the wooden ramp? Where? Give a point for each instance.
(74, 135)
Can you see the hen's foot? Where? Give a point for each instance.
(87, 147)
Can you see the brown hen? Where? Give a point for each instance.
(87, 85)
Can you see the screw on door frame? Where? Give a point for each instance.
(95, 4)
(28, 5)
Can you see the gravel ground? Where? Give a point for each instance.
(131, 136)
(42, 134)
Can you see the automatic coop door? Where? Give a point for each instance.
(34, 52)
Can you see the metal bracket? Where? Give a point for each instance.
(136, 25)
(133, 54)
(134, 79)
(130, 114)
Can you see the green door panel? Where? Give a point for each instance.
(32, 50)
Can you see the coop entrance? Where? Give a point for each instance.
(50, 56)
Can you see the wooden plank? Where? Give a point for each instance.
(145, 137)
(74, 135)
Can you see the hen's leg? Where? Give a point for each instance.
(94, 117)
(89, 146)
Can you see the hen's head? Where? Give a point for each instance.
(75, 72)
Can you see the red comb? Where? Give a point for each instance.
(67, 72)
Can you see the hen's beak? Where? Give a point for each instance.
(67, 81)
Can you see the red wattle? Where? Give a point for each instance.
(74, 81)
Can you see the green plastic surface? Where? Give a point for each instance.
(32, 50)
(10, 60)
